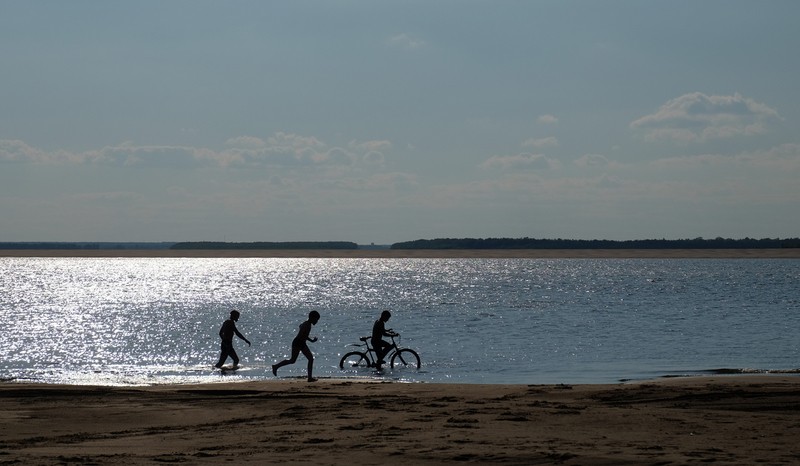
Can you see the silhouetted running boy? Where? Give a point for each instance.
(226, 332)
(299, 345)
(378, 332)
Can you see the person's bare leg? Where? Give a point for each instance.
(285, 362)
(310, 357)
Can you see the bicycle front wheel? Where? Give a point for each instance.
(406, 358)
(354, 359)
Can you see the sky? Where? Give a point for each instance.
(383, 121)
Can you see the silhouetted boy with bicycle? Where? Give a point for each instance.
(379, 331)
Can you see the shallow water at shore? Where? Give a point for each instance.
(117, 321)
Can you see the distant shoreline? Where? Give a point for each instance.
(786, 253)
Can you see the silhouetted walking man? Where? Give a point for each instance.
(226, 332)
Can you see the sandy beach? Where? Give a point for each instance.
(787, 253)
(720, 420)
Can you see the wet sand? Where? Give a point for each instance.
(721, 420)
(787, 253)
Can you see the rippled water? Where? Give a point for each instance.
(155, 320)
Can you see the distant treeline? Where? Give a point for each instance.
(83, 246)
(533, 243)
(441, 243)
(267, 245)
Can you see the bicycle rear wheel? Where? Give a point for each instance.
(354, 359)
(406, 358)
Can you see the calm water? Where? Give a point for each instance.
(155, 320)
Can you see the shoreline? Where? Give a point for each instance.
(786, 253)
(724, 419)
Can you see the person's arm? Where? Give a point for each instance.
(236, 331)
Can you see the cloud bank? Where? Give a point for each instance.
(697, 117)
(279, 150)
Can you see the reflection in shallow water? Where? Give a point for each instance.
(155, 320)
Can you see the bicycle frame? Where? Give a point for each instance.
(370, 351)
(366, 355)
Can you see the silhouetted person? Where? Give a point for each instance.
(299, 345)
(226, 332)
(379, 331)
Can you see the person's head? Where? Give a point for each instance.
(313, 317)
(234, 315)
(385, 315)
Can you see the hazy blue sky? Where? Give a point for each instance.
(377, 121)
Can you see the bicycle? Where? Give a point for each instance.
(405, 357)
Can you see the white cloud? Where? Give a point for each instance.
(108, 197)
(151, 156)
(374, 158)
(373, 151)
(542, 142)
(12, 150)
(246, 142)
(507, 162)
(370, 145)
(335, 156)
(378, 182)
(781, 160)
(592, 161)
(406, 41)
(547, 120)
(125, 154)
(295, 142)
(281, 149)
(697, 117)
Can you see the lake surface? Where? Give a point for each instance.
(132, 321)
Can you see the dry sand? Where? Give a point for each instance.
(719, 420)
(787, 253)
